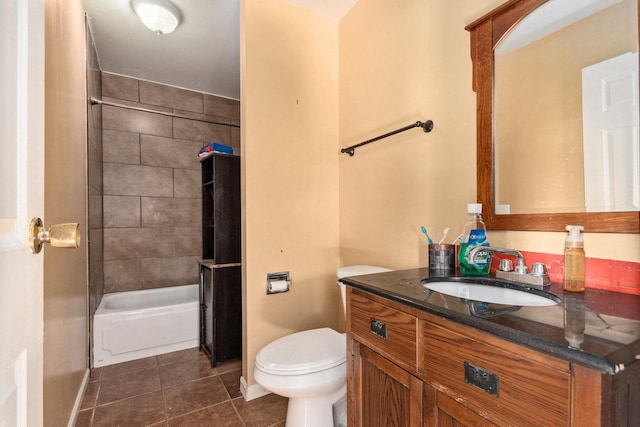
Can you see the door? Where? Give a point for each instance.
(610, 134)
(21, 198)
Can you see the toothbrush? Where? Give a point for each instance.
(424, 230)
(445, 232)
(459, 238)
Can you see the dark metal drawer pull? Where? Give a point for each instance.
(482, 379)
(378, 328)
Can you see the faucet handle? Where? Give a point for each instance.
(538, 269)
(505, 265)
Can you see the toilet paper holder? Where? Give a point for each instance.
(278, 283)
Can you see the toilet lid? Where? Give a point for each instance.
(303, 352)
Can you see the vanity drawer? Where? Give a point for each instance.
(505, 385)
(390, 332)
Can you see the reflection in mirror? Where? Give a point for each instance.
(566, 110)
(543, 128)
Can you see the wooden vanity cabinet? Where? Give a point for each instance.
(383, 392)
(505, 384)
(411, 368)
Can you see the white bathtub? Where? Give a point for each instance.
(136, 324)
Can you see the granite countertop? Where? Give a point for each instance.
(608, 323)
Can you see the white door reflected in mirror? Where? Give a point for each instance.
(610, 134)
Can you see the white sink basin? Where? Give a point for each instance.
(491, 294)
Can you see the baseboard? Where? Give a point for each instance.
(250, 392)
(78, 403)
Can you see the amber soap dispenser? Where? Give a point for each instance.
(574, 260)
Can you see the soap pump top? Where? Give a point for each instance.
(574, 239)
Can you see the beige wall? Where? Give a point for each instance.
(65, 270)
(289, 139)
(152, 192)
(402, 61)
(398, 62)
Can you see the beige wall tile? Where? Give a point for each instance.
(151, 179)
(122, 276)
(186, 183)
(120, 147)
(162, 272)
(137, 243)
(95, 241)
(188, 241)
(117, 118)
(121, 211)
(95, 210)
(168, 96)
(94, 173)
(169, 152)
(169, 212)
(115, 86)
(200, 131)
(135, 180)
(224, 107)
(235, 140)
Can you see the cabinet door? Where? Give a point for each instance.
(385, 394)
(443, 411)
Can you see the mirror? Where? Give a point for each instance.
(533, 172)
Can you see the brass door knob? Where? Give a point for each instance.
(59, 236)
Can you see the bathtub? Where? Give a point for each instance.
(136, 324)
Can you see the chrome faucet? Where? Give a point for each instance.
(537, 278)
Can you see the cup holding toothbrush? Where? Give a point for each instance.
(442, 258)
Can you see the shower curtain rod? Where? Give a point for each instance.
(164, 113)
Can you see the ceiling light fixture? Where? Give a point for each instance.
(160, 16)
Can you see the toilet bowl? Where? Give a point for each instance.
(309, 368)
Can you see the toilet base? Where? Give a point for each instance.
(313, 411)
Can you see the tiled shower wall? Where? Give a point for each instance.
(151, 172)
(94, 179)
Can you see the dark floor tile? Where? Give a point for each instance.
(185, 371)
(137, 411)
(265, 411)
(95, 374)
(84, 418)
(179, 356)
(229, 365)
(231, 381)
(90, 395)
(133, 365)
(220, 415)
(128, 385)
(194, 395)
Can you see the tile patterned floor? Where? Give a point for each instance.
(174, 390)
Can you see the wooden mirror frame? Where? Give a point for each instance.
(486, 32)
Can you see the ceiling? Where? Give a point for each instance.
(202, 54)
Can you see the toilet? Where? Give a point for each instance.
(309, 368)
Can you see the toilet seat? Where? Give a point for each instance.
(303, 352)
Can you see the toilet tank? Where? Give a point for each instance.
(355, 270)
